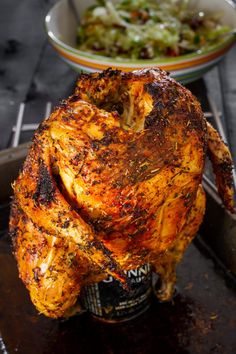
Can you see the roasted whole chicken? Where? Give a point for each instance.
(112, 181)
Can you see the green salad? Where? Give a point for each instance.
(147, 29)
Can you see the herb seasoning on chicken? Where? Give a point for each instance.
(112, 181)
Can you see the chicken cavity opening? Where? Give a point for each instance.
(133, 104)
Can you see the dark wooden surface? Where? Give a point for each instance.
(202, 317)
(30, 70)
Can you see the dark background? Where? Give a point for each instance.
(30, 70)
(201, 318)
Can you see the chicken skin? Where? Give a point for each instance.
(113, 181)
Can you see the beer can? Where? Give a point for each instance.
(109, 301)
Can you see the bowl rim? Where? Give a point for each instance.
(119, 60)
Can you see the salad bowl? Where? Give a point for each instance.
(62, 25)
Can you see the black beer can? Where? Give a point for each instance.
(109, 301)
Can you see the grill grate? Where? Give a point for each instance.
(19, 127)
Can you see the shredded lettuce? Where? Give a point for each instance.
(147, 29)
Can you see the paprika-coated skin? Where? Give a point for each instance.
(113, 181)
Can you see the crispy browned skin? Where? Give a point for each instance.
(221, 160)
(112, 181)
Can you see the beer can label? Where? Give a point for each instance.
(110, 301)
